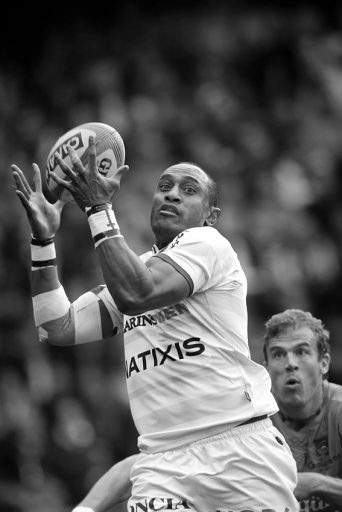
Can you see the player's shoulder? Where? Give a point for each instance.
(206, 242)
(333, 391)
(205, 234)
(333, 401)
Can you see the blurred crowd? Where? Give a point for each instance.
(254, 96)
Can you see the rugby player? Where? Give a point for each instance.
(297, 355)
(200, 404)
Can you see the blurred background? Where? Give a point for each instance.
(252, 92)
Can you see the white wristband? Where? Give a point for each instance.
(102, 222)
(82, 509)
(103, 225)
(43, 256)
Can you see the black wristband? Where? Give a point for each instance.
(42, 243)
(44, 263)
(98, 208)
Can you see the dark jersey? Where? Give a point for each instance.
(317, 447)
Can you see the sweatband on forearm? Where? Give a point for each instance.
(102, 223)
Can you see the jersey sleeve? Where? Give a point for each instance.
(96, 316)
(92, 317)
(205, 258)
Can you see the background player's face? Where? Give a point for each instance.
(180, 201)
(296, 370)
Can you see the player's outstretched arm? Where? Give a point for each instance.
(58, 321)
(111, 491)
(317, 484)
(49, 299)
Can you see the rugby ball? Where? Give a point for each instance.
(110, 154)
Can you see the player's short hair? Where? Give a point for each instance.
(292, 319)
(213, 198)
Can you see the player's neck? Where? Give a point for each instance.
(303, 415)
(296, 422)
(163, 241)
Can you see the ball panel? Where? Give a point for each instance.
(110, 151)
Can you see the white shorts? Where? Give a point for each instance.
(249, 468)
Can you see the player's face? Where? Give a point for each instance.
(180, 201)
(296, 371)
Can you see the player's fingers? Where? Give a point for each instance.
(20, 179)
(65, 168)
(119, 173)
(122, 170)
(92, 154)
(59, 181)
(75, 161)
(37, 180)
(24, 201)
(19, 185)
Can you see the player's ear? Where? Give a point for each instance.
(213, 216)
(325, 363)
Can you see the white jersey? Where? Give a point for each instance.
(188, 367)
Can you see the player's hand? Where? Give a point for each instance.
(306, 485)
(43, 216)
(87, 186)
